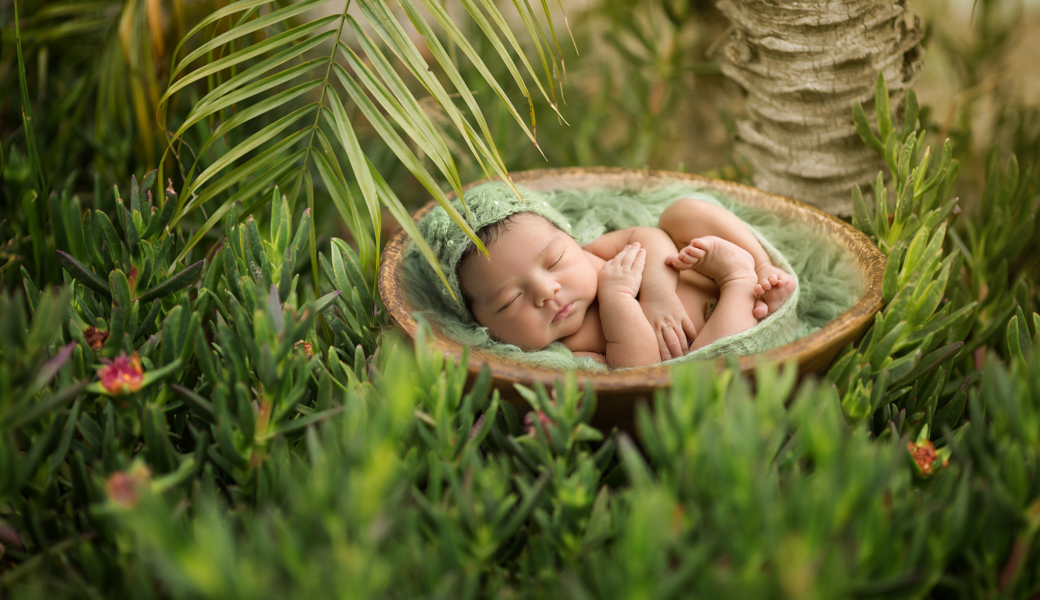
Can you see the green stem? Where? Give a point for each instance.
(1020, 548)
(30, 135)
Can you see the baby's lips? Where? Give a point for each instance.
(564, 312)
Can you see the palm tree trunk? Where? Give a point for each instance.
(803, 63)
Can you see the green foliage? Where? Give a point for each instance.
(89, 75)
(629, 93)
(206, 408)
(912, 371)
(277, 448)
(254, 384)
(251, 104)
(294, 145)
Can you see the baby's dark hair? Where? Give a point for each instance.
(487, 235)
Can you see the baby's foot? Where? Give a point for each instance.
(717, 258)
(772, 290)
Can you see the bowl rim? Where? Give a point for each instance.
(505, 371)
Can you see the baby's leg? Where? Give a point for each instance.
(688, 219)
(773, 284)
(733, 270)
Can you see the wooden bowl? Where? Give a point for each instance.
(618, 392)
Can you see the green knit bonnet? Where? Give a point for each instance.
(487, 204)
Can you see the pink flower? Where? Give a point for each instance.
(535, 418)
(538, 417)
(122, 375)
(124, 487)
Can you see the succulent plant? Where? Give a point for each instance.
(183, 421)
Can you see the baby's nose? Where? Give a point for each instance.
(548, 292)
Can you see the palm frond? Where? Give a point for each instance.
(527, 15)
(397, 145)
(503, 26)
(339, 191)
(460, 40)
(255, 87)
(246, 53)
(399, 103)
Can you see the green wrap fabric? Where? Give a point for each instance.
(828, 282)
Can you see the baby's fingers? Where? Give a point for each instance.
(690, 331)
(662, 345)
(675, 343)
(640, 260)
(628, 255)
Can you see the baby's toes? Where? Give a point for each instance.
(681, 261)
(776, 297)
(760, 310)
(701, 246)
(695, 250)
(691, 255)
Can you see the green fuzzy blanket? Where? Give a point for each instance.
(828, 281)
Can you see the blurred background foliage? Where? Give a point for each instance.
(224, 412)
(643, 92)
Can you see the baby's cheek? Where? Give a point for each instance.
(591, 281)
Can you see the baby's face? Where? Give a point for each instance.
(536, 286)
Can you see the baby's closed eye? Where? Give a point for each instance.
(506, 305)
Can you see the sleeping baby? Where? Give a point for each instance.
(629, 298)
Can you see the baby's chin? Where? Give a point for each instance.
(534, 345)
(572, 324)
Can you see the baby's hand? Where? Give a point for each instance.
(621, 276)
(671, 324)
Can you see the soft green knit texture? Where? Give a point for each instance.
(828, 281)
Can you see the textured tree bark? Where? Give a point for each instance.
(803, 64)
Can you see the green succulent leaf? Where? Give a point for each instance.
(83, 275)
(174, 284)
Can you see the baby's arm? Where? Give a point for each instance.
(630, 339)
(673, 328)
